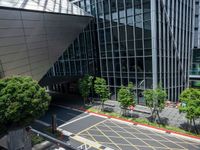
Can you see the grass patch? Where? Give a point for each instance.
(143, 121)
(35, 139)
(57, 133)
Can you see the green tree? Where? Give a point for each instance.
(101, 88)
(125, 96)
(85, 86)
(149, 98)
(22, 101)
(190, 99)
(155, 100)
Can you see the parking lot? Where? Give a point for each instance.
(121, 136)
(105, 132)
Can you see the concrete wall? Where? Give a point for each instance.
(30, 42)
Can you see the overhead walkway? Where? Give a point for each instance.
(34, 34)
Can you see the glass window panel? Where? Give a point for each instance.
(122, 33)
(139, 44)
(124, 64)
(130, 44)
(140, 67)
(148, 64)
(104, 65)
(138, 33)
(108, 35)
(132, 64)
(117, 65)
(147, 43)
(130, 34)
(113, 5)
(110, 65)
(146, 6)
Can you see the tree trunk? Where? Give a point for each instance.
(195, 128)
(19, 139)
(153, 115)
(159, 121)
(102, 106)
(190, 125)
(84, 101)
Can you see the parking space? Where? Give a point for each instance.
(125, 137)
(98, 133)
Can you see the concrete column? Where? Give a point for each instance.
(154, 43)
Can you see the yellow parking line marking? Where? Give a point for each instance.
(108, 138)
(149, 137)
(132, 138)
(158, 141)
(132, 135)
(92, 137)
(86, 141)
(184, 141)
(121, 136)
(136, 145)
(90, 127)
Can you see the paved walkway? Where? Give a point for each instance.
(170, 116)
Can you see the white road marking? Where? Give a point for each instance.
(124, 122)
(61, 120)
(69, 108)
(74, 121)
(88, 142)
(117, 120)
(98, 115)
(42, 122)
(71, 114)
(65, 132)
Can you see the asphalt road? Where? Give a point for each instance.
(97, 131)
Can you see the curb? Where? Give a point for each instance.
(43, 145)
(161, 130)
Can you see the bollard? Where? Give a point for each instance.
(53, 123)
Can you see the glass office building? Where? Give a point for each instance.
(195, 66)
(146, 42)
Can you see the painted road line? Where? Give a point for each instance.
(42, 122)
(185, 137)
(91, 127)
(69, 108)
(188, 137)
(128, 123)
(88, 142)
(60, 120)
(107, 137)
(64, 132)
(71, 114)
(88, 115)
(98, 115)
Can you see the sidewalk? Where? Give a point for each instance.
(169, 115)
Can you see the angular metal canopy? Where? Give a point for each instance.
(56, 6)
(31, 41)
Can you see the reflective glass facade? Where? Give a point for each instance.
(195, 66)
(146, 42)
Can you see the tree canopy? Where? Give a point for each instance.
(101, 88)
(125, 96)
(190, 99)
(21, 101)
(85, 85)
(155, 100)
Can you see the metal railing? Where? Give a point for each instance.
(63, 144)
